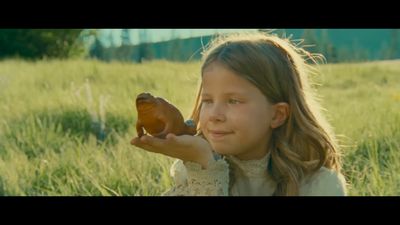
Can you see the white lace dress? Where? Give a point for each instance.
(230, 176)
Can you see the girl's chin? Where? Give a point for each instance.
(222, 150)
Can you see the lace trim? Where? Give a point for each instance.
(212, 181)
(179, 190)
(191, 179)
(251, 168)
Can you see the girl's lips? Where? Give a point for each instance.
(215, 134)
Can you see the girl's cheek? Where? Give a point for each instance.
(203, 116)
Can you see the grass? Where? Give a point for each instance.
(65, 126)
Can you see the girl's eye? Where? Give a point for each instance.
(206, 101)
(233, 101)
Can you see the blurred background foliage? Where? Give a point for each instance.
(136, 45)
(40, 43)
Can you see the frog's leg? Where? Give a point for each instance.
(167, 129)
(139, 128)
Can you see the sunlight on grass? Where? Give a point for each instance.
(65, 126)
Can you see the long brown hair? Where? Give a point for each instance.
(280, 70)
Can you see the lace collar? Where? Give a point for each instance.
(250, 168)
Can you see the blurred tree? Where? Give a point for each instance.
(394, 44)
(125, 51)
(40, 43)
(176, 50)
(145, 51)
(126, 37)
(327, 48)
(311, 43)
(97, 50)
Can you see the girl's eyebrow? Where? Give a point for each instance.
(226, 94)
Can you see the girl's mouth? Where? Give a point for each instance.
(218, 134)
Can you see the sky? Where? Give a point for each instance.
(113, 36)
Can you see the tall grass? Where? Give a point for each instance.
(362, 102)
(65, 126)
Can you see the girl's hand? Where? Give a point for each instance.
(185, 147)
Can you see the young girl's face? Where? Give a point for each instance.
(235, 116)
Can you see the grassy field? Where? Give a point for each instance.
(65, 126)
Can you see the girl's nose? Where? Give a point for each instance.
(217, 114)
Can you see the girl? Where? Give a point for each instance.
(259, 128)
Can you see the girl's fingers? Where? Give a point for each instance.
(175, 146)
(148, 147)
(156, 145)
(185, 147)
(142, 142)
(171, 137)
(135, 141)
(152, 141)
(183, 140)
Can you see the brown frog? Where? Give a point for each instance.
(159, 117)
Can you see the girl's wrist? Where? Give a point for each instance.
(206, 160)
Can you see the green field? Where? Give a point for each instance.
(65, 126)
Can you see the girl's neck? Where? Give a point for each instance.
(248, 157)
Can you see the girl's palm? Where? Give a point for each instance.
(184, 147)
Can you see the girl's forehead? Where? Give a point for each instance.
(217, 77)
(227, 85)
(223, 80)
(216, 65)
(217, 71)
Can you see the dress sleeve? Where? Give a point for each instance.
(191, 180)
(324, 183)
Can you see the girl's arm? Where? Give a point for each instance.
(185, 147)
(197, 172)
(324, 182)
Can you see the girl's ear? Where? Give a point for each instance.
(280, 115)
